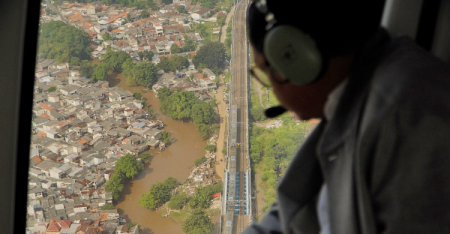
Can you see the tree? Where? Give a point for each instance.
(106, 36)
(107, 206)
(145, 156)
(148, 201)
(115, 185)
(210, 148)
(75, 61)
(128, 17)
(198, 223)
(137, 95)
(199, 161)
(100, 72)
(115, 59)
(181, 9)
(212, 54)
(159, 194)
(167, 2)
(145, 14)
(142, 74)
(87, 69)
(177, 201)
(150, 4)
(62, 42)
(128, 64)
(51, 89)
(128, 166)
(165, 136)
(175, 49)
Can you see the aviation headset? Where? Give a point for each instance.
(291, 53)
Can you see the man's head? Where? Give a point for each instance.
(338, 29)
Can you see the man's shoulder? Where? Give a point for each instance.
(408, 75)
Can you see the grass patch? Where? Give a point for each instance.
(273, 101)
(213, 211)
(182, 215)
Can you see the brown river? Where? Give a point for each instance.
(176, 161)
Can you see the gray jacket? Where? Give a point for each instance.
(385, 154)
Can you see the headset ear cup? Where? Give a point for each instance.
(293, 54)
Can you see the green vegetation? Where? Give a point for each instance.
(146, 55)
(166, 137)
(87, 69)
(126, 168)
(137, 95)
(106, 36)
(199, 161)
(185, 106)
(212, 54)
(177, 201)
(173, 63)
(132, 224)
(271, 150)
(145, 14)
(108, 206)
(256, 110)
(181, 215)
(159, 194)
(113, 60)
(62, 42)
(50, 11)
(202, 197)
(211, 148)
(205, 3)
(227, 77)
(139, 4)
(100, 72)
(228, 39)
(225, 147)
(145, 156)
(198, 223)
(175, 49)
(142, 74)
(271, 101)
(181, 9)
(51, 89)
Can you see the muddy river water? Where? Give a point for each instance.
(176, 161)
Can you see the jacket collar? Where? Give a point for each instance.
(349, 108)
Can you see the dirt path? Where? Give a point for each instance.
(220, 167)
(224, 27)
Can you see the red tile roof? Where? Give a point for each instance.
(53, 227)
(64, 223)
(45, 115)
(37, 159)
(45, 106)
(82, 142)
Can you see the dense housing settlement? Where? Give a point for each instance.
(82, 127)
